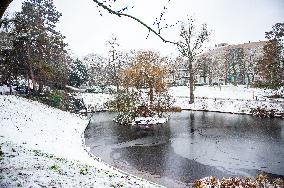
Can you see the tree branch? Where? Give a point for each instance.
(120, 14)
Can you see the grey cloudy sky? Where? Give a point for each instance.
(231, 21)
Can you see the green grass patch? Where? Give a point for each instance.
(55, 168)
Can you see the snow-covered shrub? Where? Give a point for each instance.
(124, 101)
(260, 181)
(55, 98)
(125, 118)
(84, 170)
(55, 168)
(163, 103)
(59, 99)
(126, 104)
(263, 112)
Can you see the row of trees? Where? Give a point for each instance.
(190, 46)
(33, 50)
(234, 65)
(35, 28)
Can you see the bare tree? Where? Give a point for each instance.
(97, 68)
(249, 62)
(114, 61)
(190, 45)
(122, 13)
(203, 68)
(235, 65)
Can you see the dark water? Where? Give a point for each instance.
(190, 146)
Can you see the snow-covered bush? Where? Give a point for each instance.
(263, 112)
(163, 103)
(59, 99)
(126, 104)
(124, 101)
(125, 118)
(260, 181)
(132, 107)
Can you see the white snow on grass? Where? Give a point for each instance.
(227, 98)
(21, 167)
(223, 92)
(95, 101)
(37, 126)
(231, 99)
(42, 127)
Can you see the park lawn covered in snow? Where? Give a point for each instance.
(227, 98)
(95, 101)
(223, 92)
(231, 99)
(40, 142)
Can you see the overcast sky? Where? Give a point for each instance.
(231, 21)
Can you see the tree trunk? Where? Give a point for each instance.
(210, 78)
(244, 78)
(10, 87)
(248, 82)
(191, 83)
(151, 95)
(40, 88)
(235, 76)
(32, 77)
(204, 79)
(27, 88)
(226, 73)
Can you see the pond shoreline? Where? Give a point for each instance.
(231, 99)
(53, 140)
(124, 144)
(199, 110)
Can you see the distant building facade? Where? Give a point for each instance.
(224, 64)
(229, 64)
(178, 73)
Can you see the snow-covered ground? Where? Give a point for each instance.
(43, 146)
(95, 101)
(4, 89)
(240, 92)
(229, 99)
(28, 128)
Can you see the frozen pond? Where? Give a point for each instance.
(191, 145)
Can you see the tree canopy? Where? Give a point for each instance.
(36, 51)
(271, 65)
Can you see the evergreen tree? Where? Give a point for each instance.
(37, 46)
(78, 73)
